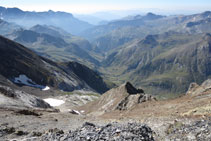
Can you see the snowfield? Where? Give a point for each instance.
(54, 102)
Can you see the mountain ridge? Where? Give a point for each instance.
(26, 18)
(40, 71)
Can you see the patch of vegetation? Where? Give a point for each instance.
(81, 94)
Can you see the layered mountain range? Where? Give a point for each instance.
(27, 19)
(161, 54)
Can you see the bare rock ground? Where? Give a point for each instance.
(184, 118)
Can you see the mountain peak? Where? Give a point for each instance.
(123, 97)
(50, 11)
(206, 13)
(150, 14)
(131, 89)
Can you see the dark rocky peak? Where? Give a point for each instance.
(132, 90)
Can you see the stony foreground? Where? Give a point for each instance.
(111, 132)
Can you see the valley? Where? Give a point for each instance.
(141, 77)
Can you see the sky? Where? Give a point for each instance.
(92, 6)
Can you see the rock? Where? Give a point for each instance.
(192, 88)
(36, 134)
(21, 133)
(28, 112)
(4, 130)
(75, 112)
(123, 97)
(195, 89)
(146, 97)
(199, 130)
(132, 90)
(206, 84)
(111, 132)
(10, 98)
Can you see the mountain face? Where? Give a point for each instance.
(27, 68)
(101, 30)
(163, 63)
(7, 28)
(91, 77)
(58, 32)
(63, 20)
(58, 46)
(27, 36)
(141, 49)
(117, 33)
(50, 30)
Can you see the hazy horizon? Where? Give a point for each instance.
(93, 6)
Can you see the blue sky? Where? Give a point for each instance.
(91, 6)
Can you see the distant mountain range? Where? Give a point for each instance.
(156, 52)
(119, 32)
(28, 19)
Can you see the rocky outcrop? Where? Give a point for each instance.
(123, 97)
(132, 100)
(111, 132)
(195, 89)
(10, 98)
(193, 86)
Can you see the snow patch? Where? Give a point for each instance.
(74, 111)
(46, 88)
(54, 102)
(24, 80)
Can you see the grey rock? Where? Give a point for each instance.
(10, 98)
(111, 132)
